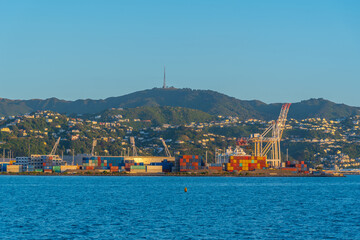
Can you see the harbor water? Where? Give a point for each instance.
(62, 207)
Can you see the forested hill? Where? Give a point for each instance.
(208, 101)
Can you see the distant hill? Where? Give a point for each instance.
(160, 115)
(208, 101)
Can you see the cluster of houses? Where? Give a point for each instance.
(119, 129)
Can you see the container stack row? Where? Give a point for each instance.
(166, 166)
(106, 163)
(296, 166)
(245, 163)
(187, 163)
(216, 166)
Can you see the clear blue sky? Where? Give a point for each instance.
(274, 51)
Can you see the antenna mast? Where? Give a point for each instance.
(164, 86)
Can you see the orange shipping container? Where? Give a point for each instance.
(290, 169)
(114, 169)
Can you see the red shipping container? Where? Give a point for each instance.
(44, 164)
(110, 164)
(114, 169)
(99, 162)
(99, 158)
(89, 168)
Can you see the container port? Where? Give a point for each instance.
(265, 157)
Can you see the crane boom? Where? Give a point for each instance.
(55, 147)
(167, 152)
(132, 141)
(93, 147)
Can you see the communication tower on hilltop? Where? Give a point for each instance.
(164, 85)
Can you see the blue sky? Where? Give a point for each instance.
(273, 51)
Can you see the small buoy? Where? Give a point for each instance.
(185, 189)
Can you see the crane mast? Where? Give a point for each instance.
(55, 147)
(271, 138)
(93, 147)
(132, 141)
(167, 152)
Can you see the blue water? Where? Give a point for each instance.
(33, 207)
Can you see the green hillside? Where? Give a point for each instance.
(207, 101)
(159, 115)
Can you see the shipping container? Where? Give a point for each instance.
(114, 169)
(14, 168)
(154, 169)
(138, 170)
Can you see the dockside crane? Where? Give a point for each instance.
(93, 147)
(132, 141)
(167, 152)
(271, 137)
(55, 147)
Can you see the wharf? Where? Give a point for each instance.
(257, 173)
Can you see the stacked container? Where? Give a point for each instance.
(128, 164)
(105, 162)
(68, 167)
(215, 166)
(245, 163)
(296, 166)
(4, 167)
(56, 169)
(14, 168)
(138, 169)
(154, 168)
(186, 163)
(114, 169)
(30, 168)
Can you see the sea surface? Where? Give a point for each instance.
(51, 207)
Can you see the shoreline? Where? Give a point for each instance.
(101, 174)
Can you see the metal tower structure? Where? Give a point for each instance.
(164, 85)
(132, 141)
(93, 147)
(167, 152)
(271, 138)
(55, 147)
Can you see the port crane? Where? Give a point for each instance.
(132, 141)
(167, 152)
(93, 147)
(55, 147)
(269, 140)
